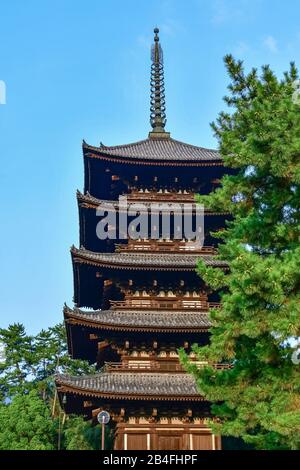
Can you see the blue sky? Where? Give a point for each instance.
(80, 69)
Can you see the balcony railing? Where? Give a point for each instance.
(164, 304)
(152, 366)
(172, 246)
(144, 366)
(161, 196)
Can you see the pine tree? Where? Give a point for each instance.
(30, 414)
(16, 363)
(258, 398)
(30, 362)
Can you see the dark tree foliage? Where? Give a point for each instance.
(30, 415)
(258, 399)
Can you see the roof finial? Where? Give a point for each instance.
(157, 98)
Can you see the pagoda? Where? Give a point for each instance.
(139, 299)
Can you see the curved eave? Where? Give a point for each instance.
(86, 201)
(75, 319)
(103, 153)
(144, 262)
(129, 396)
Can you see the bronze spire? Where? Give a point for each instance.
(157, 97)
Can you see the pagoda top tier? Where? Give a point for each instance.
(155, 149)
(159, 146)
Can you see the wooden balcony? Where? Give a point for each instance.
(163, 304)
(154, 366)
(161, 196)
(164, 246)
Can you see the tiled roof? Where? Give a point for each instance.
(165, 261)
(161, 386)
(157, 149)
(90, 200)
(87, 198)
(150, 320)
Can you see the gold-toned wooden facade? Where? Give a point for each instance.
(144, 296)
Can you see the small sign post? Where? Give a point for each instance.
(103, 418)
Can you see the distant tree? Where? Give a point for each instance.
(258, 399)
(82, 434)
(30, 362)
(28, 394)
(26, 424)
(16, 366)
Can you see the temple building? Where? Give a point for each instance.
(139, 299)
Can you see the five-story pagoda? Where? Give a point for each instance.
(138, 298)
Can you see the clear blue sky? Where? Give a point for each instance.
(80, 69)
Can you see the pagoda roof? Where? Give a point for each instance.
(139, 320)
(132, 386)
(87, 200)
(154, 149)
(92, 202)
(144, 261)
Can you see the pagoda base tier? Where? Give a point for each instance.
(148, 411)
(153, 436)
